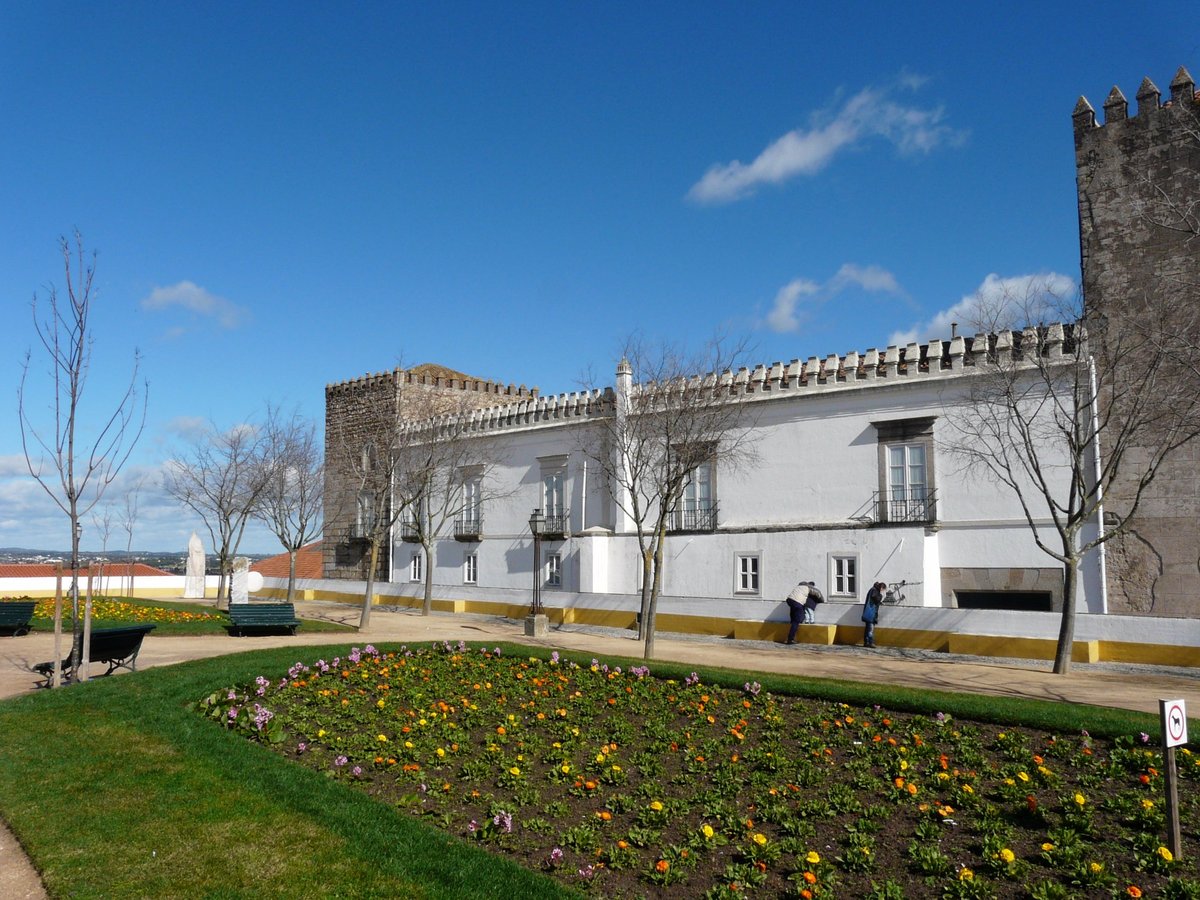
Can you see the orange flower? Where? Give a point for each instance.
(810, 877)
(1133, 891)
(662, 867)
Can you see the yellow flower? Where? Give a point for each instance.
(707, 831)
(1007, 856)
(1147, 804)
(965, 874)
(515, 770)
(1047, 847)
(565, 768)
(379, 703)
(656, 805)
(1022, 776)
(321, 733)
(382, 738)
(440, 752)
(1166, 854)
(1080, 799)
(760, 839)
(1095, 868)
(812, 858)
(616, 768)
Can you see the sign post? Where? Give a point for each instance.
(1173, 715)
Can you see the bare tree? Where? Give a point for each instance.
(364, 442)
(221, 477)
(294, 495)
(129, 515)
(442, 473)
(75, 464)
(672, 425)
(1062, 415)
(103, 523)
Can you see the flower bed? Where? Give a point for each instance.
(624, 784)
(107, 612)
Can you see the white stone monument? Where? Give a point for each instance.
(193, 582)
(241, 575)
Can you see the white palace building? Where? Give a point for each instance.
(851, 482)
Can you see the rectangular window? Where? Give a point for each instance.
(843, 576)
(554, 494)
(365, 522)
(697, 511)
(471, 568)
(747, 573)
(907, 483)
(554, 570)
(414, 568)
(472, 488)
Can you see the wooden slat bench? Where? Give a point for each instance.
(15, 615)
(118, 647)
(262, 617)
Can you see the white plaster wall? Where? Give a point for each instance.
(802, 499)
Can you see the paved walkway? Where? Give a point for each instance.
(1129, 687)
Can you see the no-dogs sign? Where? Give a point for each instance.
(1174, 723)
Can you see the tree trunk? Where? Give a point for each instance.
(427, 603)
(76, 633)
(1066, 630)
(291, 593)
(652, 607)
(647, 589)
(365, 618)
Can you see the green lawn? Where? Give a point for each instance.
(117, 788)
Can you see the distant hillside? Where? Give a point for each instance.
(172, 561)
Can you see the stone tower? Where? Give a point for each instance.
(1138, 180)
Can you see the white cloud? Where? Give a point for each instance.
(187, 428)
(195, 299)
(998, 303)
(782, 316)
(871, 113)
(870, 278)
(786, 312)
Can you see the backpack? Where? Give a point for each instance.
(817, 596)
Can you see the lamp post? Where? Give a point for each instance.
(536, 624)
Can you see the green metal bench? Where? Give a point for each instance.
(15, 614)
(245, 617)
(118, 647)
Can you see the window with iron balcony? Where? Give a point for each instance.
(906, 494)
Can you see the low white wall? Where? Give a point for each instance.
(1006, 623)
(146, 586)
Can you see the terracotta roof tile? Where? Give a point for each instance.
(309, 563)
(46, 570)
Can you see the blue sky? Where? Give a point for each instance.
(286, 195)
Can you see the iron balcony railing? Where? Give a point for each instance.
(557, 524)
(468, 528)
(360, 531)
(409, 530)
(699, 518)
(905, 507)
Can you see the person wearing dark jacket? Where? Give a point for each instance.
(870, 615)
(802, 603)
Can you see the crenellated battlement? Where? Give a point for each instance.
(1148, 96)
(854, 370)
(447, 382)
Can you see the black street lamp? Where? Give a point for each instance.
(537, 527)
